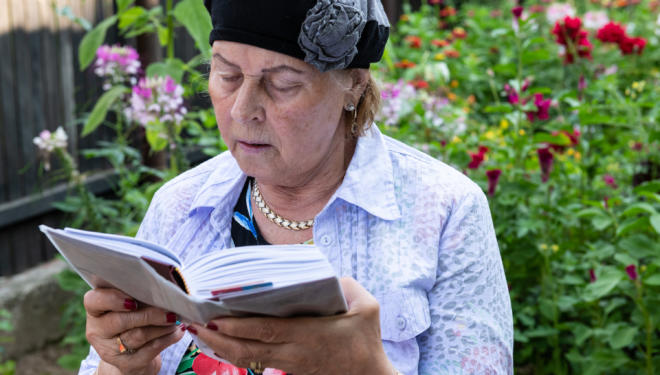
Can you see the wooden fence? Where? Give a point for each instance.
(42, 87)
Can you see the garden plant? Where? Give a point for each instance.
(551, 107)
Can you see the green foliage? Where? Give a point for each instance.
(101, 109)
(196, 19)
(92, 41)
(6, 367)
(580, 245)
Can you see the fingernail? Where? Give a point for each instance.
(192, 330)
(171, 317)
(130, 304)
(183, 327)
(212, 326)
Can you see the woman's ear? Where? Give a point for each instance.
(359, 80)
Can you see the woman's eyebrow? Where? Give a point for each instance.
(218, 57)
(276, 69)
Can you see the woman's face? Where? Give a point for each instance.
(280, 117)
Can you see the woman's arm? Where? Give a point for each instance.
(472, 326)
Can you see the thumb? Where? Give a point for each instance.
(355, 294)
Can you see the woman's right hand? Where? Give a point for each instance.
(145, 331)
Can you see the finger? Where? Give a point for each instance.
(142, 356)
(242, 353)
(118, 322)
(101, 300)
(267, 330)
(356, 296)
(138, 337)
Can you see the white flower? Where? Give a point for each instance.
(559, 11)
(595, 20)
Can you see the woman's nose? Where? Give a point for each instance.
(247, 106)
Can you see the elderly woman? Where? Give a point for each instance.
(412, 237)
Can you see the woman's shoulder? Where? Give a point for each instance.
(428, 174)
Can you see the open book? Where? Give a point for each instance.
(278, 280)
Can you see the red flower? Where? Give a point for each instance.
(405, 64)
(483, 149)
(477, 159)
(629, 46)
(615, 33)
(447, 12)
(414, 41)
(493, 178)
(517, 11)
(452, 54)
(612, 32)
(632, 272)
(542, 108)
(609, 181)
(571, 30)
(459, 33)
(592, 276)
(419, 84)
(545, 161)
(435, 2)
(440, 43)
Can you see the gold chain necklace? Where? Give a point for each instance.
(275, 218)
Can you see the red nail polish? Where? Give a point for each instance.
(130, 304)
(192, 330)
(212, 326)
(171, 317)
(182, 327)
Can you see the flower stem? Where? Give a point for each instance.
(170, 30)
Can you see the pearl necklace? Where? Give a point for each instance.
(275, 218)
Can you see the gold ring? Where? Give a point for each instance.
(122, 347)
(256, 366)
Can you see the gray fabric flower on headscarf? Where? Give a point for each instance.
(330, 34)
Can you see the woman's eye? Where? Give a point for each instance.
(283, 87)
(230, 78)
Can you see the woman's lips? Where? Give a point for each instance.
(252, 147)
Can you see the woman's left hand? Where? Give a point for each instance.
(348, 343)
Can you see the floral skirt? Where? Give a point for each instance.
(194, 362)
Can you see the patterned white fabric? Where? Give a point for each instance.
(413, 231)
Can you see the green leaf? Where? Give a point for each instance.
(123, 4)
(156, 138)
(653, 280)
(631, 225)
(560, 139)
(638, 208)
(128, 17)
(92, 41)
(101, 109)
(655, 222)
(605, 283)
(623, 336)
(601, 222)
(163, 35)
(173, 68)
(195, 18)
(541, 332)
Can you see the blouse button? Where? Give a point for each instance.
(401, 322)
(326, 240)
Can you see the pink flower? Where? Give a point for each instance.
(632, 272)
(609, 181)
(493, 178)
(592, 276)
(517, 11)
(570, 35)
(543, 109)
(595, 20)
(478, 157)
(546, 159)
(117, 65)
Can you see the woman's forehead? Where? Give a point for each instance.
(252, 59)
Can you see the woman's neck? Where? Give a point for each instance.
(304, 199)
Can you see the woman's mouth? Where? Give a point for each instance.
(252, 147)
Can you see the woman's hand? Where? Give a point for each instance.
(349, 343)
(144, 331)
